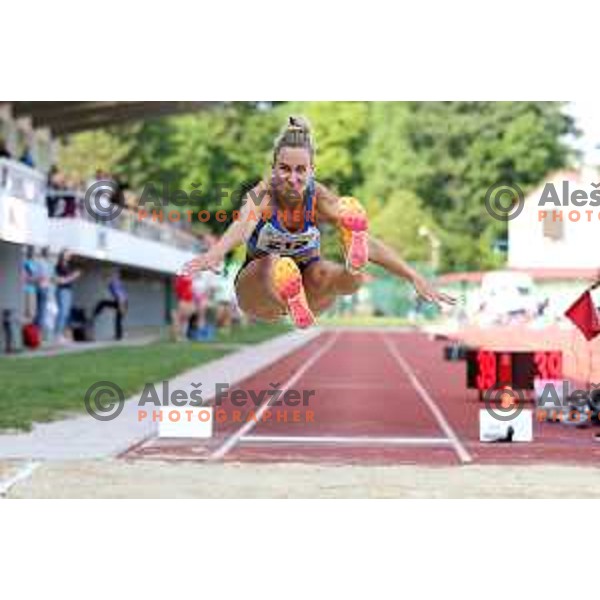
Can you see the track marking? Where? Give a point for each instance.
(247, 427)
(350, 440)
(461, 451)
(22, 474)
(354, 386)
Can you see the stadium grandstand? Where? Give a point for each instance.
(36, 212)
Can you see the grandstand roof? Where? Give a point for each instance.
(69, 117)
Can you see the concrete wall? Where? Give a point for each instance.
(143, 244)
(11, 258)
(146, 292)
(105, 243)
(11, 296)
(147, 300)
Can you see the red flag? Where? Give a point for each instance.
(584, 316)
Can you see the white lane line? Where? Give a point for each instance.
(350, 440)
(354, 386)
(247, 427)
(22, 474)
(461, 451)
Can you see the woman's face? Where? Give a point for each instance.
(291, 171)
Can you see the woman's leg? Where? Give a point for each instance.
(63, 299)
(254, 291)
(324, 281)
(40, 315)
(60, 316)
(272, 286)
(29, 305)
(180, 317)
(68, 293)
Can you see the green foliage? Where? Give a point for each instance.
(398, 223)
(411, 163)
(151, 153)
(81, 155)
(340, 129)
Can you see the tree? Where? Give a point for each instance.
(82, 154)
(450, 153)
(340, 132)
(398, 223)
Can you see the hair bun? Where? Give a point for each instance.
(295, 134)
(297, 124)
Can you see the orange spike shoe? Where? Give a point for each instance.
(354, 226)
(287, 281)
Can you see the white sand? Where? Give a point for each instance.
(140, 479)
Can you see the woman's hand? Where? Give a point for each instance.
(430, 294)
(212, 260)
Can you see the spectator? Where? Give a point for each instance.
(27, 158)
(103, 195)
(66, 275)
(224, 297)
(60, 201)
(118, 302)
(4, 153)
(185, 306)
(43, 287)
(30, 268)
(201, 296)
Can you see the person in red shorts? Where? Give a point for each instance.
(185, 306)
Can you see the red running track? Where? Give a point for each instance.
(379, 398)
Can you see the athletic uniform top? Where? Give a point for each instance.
(271, 236)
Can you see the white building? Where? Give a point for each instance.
(554, 245)
(554, 238)
(148, 253)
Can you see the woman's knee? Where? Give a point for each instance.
(318, 278)
(326, 279)
(349, 283)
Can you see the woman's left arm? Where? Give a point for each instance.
(379, 252)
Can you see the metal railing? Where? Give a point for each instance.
(21, 181)
(70, 204)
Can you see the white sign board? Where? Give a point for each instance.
(517, 428)
(186, 422)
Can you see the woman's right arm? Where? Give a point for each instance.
(237, 233)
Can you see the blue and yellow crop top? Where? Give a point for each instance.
(272, 237)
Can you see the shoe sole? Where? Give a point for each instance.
(288, 284)
(353, 219)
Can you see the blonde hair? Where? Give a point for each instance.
(296, 134)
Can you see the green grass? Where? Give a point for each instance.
(253, 334)
(365, 321)
(39, 389)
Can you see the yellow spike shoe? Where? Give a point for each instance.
(354, 226)
(287, 281)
